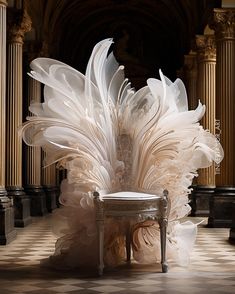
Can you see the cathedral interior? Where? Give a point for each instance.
(193, 40)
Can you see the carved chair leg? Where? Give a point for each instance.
(163, 226)
(99, 209)
(100, 225)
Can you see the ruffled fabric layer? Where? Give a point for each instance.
(112, 138)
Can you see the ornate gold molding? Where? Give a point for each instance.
(224, 23)
(19, 22)
(3, 2)
(206, 46)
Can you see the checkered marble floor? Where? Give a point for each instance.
(212, 268)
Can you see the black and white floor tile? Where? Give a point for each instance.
(212, 268)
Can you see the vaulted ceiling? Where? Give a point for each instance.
(148, 34)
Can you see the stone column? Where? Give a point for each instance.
(49, 185)
(18, 24)
(206, 49)
(232, 230)
(32, 181)
(190, 78)
(224, 26)
(7, 230)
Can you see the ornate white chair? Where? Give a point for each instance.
(111, 137)
(131, 205)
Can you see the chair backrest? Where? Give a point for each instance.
(125, 154)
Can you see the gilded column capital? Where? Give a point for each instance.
(19, 22)
(206, 47)
(224, 23)
(3, 2)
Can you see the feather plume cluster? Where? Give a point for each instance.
(112, 138)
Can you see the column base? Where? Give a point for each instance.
(221, 212)
(37, 200)
(232, 230)
(21, 203)
(200, 199)
(7, 230)
(51, 195)
(232, 236)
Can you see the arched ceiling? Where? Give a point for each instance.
(149, 34)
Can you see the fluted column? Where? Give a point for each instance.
(206, 93)
(224, 27)
(2, 94)
(190, 78)
(206, 58)
(33, 159)
(18, 24)
(7, 231)
(49, 185)
(32, 181)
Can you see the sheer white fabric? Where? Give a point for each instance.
(112, 138)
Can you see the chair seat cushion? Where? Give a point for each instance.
(126, 195)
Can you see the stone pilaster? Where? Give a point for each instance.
(224, 27)
(49, 186)
(7, 230)
(190, 78)
(18, 24)
(32, 182)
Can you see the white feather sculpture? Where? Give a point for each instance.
(111, 138)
